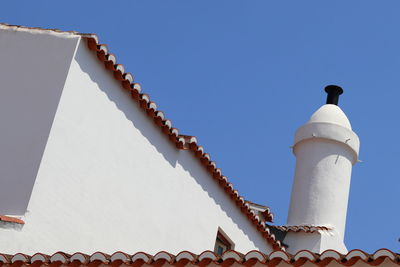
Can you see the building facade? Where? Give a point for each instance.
(88, 163)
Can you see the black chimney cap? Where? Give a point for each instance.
(334, 92)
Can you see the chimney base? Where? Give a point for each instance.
(317, 241)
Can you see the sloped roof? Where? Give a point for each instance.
(206, 258)
(158, 117)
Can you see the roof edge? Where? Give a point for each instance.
(206, 258)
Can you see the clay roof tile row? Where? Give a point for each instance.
(180, 141)
(301, 228)
(205, 258)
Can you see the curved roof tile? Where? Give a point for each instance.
(209, 257)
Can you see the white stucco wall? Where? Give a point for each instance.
(110, 180)
(33, 69)
(317, 242)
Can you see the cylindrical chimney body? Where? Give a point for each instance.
(326, 149)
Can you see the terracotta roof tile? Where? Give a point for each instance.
(180, 141)
(11, 219)
(205, 258)
(301, 228)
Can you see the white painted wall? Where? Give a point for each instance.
(110, 180)
(326, 149)
(33, 69)
(316, 242)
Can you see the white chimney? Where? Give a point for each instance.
(326, 149)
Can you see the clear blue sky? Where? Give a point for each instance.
(243, 75)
